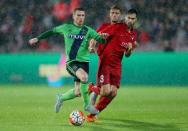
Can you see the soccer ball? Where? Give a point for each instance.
(76, 118)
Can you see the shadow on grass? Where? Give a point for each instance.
(118, 124)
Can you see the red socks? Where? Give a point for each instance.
(103, 102)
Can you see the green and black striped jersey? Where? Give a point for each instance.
(76, 40)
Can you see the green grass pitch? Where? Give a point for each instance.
(31, 108)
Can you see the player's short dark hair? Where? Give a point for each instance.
(116, 7)
(78, 9)
(132, 11)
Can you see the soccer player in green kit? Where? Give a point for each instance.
(76, 36)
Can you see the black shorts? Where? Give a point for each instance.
(73, 66)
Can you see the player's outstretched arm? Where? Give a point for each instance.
(41, 36)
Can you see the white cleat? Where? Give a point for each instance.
(91, 109)
(58, 103)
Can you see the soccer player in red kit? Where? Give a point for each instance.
(121, 41)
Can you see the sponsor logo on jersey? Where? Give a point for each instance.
(124, 44)
(78, 37)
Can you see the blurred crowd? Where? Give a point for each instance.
(162, 24)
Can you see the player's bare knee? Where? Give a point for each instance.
(82, 75)
(102, 93)
(105, 92)
(84, 78)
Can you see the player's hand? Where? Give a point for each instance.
(103, 35)
(91, 50)
(92, 45)
(33, 41)
(129, 47)
(129, 50)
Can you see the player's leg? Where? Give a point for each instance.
(114, 89)
(70, 94)
(101, 105)
(82, 74)
(115, 77)
(94, 90)
(104, 101)
(103, 90)
(103, 82)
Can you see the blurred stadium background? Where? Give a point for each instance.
(162, 23)
(160, 61)
(162, 34)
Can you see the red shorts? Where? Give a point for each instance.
(108, 75)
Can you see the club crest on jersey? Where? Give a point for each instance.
(124, 44)
(78, 37)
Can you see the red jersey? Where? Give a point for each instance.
(112, 52)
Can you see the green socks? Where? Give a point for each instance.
(68, 95)
(84, 93)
